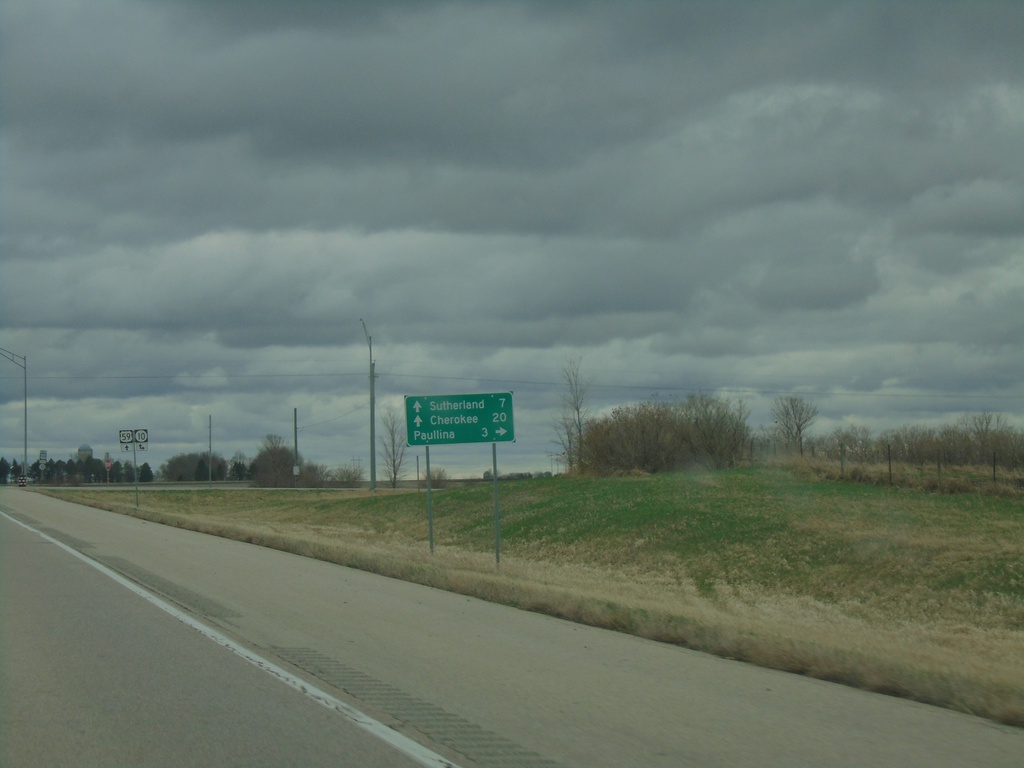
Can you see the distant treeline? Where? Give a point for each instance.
(71, 471)
(977, 439)
(713, 433)
(653, 436)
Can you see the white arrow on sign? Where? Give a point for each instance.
(417, 421)
(417, 406)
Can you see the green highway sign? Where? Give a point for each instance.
(453, 419)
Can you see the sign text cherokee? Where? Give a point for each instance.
(436, 420)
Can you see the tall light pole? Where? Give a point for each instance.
(25, 380)
(373, 420)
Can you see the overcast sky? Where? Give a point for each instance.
(201, 199)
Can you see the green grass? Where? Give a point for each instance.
(890, 589)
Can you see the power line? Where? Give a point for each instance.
(328, 421)
(726, 390)
(654, 388)
(171, 377)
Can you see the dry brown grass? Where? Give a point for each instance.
(928, 478)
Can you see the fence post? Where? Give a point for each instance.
(888, 451)
(842, 460)
(993, 466)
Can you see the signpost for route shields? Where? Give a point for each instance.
(457, 419)
(134, 440)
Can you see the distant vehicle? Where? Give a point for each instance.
(22, 481)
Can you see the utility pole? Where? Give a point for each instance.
(24, 365)
(295, 433)
(373, 420)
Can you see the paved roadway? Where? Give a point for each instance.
(97, 674)
(93, 675)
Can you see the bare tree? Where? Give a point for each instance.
(793, 417)
(639, 436)
(272, 467)
(392, 445)
(314, 475)
(979, 433)
(717, 430)
(570, 423)
(439, 477)
(239, 467)
(351, 475)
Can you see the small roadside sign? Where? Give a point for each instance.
(453, 419)
(133, 440)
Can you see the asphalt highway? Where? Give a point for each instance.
(168, 647)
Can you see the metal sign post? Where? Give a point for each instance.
(137, 440)
(497, 519)
(430, 506)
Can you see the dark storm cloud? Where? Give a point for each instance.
(491, 117)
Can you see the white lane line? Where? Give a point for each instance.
(398, 741)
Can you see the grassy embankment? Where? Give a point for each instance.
(914, 594)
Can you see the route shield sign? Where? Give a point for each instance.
(133, 439)
(454, 419)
